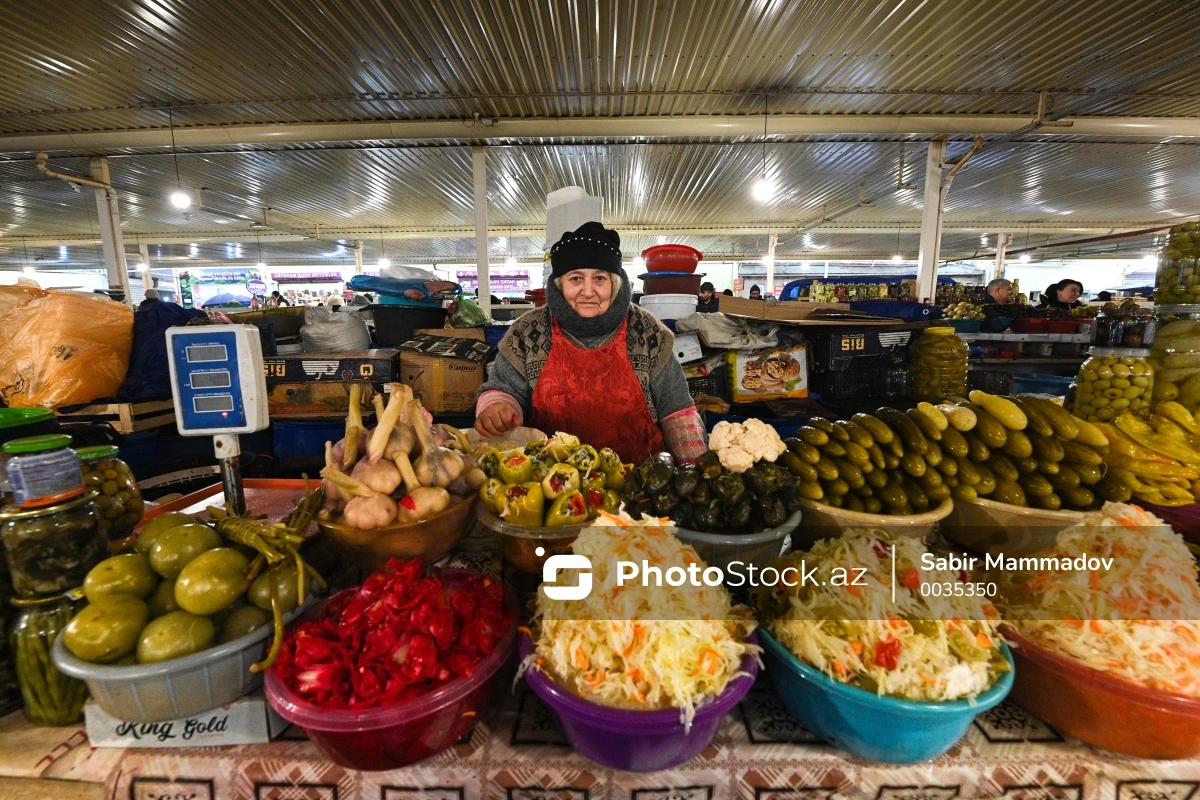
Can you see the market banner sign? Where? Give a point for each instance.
(256, 286)
(219, 276)
(306, 277)
(501, 280)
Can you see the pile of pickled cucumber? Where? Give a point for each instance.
(186, 588)
(1177, 281)
(1024, 451)
(553, 482)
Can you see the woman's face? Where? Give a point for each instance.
(1070, 293)
(588, 291)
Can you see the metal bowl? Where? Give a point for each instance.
(428, 540)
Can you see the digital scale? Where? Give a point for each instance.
(220, 390)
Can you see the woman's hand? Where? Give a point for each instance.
(497, 419)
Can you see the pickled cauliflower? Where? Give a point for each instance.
(740, 444)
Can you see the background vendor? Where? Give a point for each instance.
(1064, 294)
(591, 363)
(999, 290)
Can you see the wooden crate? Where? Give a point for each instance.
(125, 417)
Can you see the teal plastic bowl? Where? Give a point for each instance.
(965, 325)
(866, 725)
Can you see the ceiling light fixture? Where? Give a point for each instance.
(179, 198)
(511, 261)
(763, 190)
(261, 264)
(1024, 259)
(896, 257)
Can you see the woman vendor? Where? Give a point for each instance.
(1064, 294)
(591, 363)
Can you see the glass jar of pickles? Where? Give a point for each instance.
(937, 365)
(120, 499)
(1124, 325)
(49, 697)
(1175, 355)
(1177, 280)
(51, 549)
(1113, 381)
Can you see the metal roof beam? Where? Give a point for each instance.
(596, 128)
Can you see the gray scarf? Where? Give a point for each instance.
(590, 327)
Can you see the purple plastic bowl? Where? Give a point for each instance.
(637, 741)
(1185, 520)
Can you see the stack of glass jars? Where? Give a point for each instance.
(1176, 356)
(1178, 280)
(1113, 381)
(53, 535)
(1124, 325)
(937, 363)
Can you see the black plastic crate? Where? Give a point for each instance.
(395, 324)
(714, 384)
(837, 351)
(992, 381)
(866, 378)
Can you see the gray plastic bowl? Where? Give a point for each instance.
(721, 549)
(178, 688)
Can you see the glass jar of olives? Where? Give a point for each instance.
(51, 549)
(1175, 355)
(50, 697)
(1113, 381)
(120, 499)
(1178, 280)
(42, 470)
(937, 365)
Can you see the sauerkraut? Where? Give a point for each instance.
(640, 647)
(1138, 620)
(917, 647)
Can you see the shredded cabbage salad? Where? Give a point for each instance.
(917, 648)
(635, 647)
(1139, 620)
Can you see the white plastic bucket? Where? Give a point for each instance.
(669, 306)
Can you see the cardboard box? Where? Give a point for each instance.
(444, 385)
(317, 398)
(769, 373)
(250, 720)
(796, 312)
(377, 366)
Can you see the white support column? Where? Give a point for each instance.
(144, 267)
(769, 289)
(358, 257)
(1002, 240)
(110, 230)
(931, 222)
(479, 174)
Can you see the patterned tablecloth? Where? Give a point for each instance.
(517, 753)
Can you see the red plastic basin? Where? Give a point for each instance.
(1101, 709)
(395, 736)
(1029, 325)
(672, 258)
(1061, 326)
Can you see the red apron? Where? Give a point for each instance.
(595, 395)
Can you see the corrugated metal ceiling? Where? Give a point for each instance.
(70, 66)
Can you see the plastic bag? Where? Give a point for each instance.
(13, 297)
(463, 313)
(328, 331)
(64, 348)
(402, 273)
(729, 333)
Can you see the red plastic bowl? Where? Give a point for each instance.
(395, 736)
(1029, 325)
(1061, 326)
(672, 258)
(1101, 709)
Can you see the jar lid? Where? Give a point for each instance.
(940, 330)
(13, 417)
(1120, 352)
(37, 444)
(19, 512)
(98, 452)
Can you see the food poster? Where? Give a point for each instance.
(768, 373)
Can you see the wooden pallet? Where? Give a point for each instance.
(125, 417)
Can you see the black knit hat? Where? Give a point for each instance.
(590, 246)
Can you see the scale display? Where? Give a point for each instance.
(217, 379)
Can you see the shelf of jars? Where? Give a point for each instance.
(1042, 338)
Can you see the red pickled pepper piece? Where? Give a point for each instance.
(887, 653)
(401, 634)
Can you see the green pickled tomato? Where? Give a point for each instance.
(162, 599)
(173, 549)
(174, 635)
(129, 574)
(242, 621)
(106, 630)
(158, 525)
(259, 593)
(211, 581)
